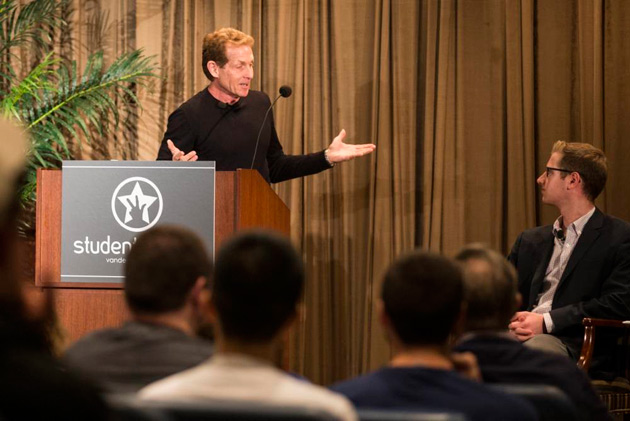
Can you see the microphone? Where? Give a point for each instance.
(285, 92)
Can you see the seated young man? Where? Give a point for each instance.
(490, 286)
(255, 298)
(165, 275)
(421, 304)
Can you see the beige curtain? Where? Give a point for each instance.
(502, 81)
(463, 98)
(478, 123)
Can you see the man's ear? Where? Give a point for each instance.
(575, 180)
(200, 285)
(213, 68)
(200, 295)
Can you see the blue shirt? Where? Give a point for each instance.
(425, 389)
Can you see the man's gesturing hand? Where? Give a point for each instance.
(179, 155)
(339, 151)
(525, 325)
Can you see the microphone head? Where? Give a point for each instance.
(222, 105)
(285, 91)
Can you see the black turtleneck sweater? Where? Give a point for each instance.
(227, 134)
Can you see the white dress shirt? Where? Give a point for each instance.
(564, 243)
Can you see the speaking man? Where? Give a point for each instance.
(579, 266)
(233, 125)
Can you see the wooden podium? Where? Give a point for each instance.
(242, 200)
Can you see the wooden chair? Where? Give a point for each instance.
(616, 393)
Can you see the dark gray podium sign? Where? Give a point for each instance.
(107, 204)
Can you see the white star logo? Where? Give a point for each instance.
(137, 201)
(137, 204)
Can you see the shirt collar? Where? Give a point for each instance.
(577, 225)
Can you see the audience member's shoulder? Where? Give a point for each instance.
(370, 384)
(432, 390)
(289, 391)
(85, 349)
(28, 377)
(505, 407)
(301, 392)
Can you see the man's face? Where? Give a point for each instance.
(234, 78)
(551, 182)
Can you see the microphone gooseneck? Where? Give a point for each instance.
(285, 92)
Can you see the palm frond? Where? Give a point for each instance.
(32, 24)
(59, 105)
(78, 103)
(30, 88)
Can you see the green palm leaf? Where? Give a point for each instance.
(77, 102)
(58, 105)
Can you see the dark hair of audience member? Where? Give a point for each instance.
(422, 294)
(490, 287)
(258, 282)
(15, 323)
(162, 268)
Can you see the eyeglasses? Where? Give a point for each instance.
(549, 169)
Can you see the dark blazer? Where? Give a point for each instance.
(595, 283)
(505, 360)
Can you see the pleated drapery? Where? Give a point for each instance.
(463, 98)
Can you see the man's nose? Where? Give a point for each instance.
(540, 180)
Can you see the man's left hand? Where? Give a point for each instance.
(339, 151)
(524, 325)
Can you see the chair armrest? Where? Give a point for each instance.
(586, 355)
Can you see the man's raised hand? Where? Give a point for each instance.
(179, 155)
(339, 151)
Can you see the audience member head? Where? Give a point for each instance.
(490, 286)
(214, 46)
(17, 321)
(422, 297)
(166, 270)
(588, 161)
(257, 287)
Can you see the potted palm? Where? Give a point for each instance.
(58, 104)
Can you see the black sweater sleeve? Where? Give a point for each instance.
(285, 167)
(180, 132)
